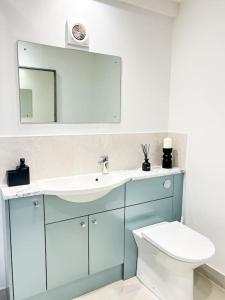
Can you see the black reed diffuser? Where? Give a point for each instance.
(146, 166)
(167, 162)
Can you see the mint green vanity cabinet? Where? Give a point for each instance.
(26, 221)
(177, 198)
(149, 189)
(66, 251)
(60, 249)
(106, 240)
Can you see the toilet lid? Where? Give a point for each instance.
(179, 241)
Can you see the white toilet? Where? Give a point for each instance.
(168, 253)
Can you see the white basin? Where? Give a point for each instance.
(83, 188)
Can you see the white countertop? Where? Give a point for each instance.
(35, 188)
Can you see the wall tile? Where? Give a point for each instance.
(53, 156)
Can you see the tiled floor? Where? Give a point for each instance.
(132, 289)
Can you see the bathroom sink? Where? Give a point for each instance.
(83, 188)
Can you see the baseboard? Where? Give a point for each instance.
(4, 294)
(212, 274)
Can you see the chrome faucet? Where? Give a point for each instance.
(104, 162)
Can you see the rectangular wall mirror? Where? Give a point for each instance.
(62, 85)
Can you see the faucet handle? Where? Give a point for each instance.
(104, 162)
(103, 159)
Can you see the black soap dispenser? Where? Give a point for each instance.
(20, 176)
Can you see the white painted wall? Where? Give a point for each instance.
(165, 7)
(142, 39)
(197, 106)
(145, 51)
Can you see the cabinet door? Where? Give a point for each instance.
(28, 246)
(67, 251)
(106, 240)
(150, 189)
(178, 195)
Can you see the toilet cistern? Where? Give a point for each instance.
(104, 162)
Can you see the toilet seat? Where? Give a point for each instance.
(179, 241)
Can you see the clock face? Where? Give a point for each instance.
(79, 32)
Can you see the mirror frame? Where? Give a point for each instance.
(55, 95)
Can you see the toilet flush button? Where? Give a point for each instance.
(167, 183)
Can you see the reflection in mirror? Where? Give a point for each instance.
(37, 95)
(68, 86)
(26, 104)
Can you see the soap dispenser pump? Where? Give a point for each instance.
(22, 165)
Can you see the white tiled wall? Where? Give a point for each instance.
(52, 156)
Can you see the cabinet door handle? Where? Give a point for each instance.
(36, 203)
(94, 222)
(82, 224)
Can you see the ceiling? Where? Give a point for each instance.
(165, 7)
